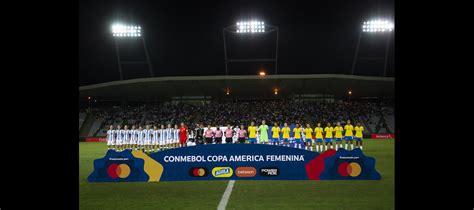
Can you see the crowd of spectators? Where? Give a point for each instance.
(237, 113)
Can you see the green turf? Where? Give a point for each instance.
(246, 194)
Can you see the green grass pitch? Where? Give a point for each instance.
(245, 194)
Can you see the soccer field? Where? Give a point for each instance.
(245, 194)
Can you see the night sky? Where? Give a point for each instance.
(185, 37)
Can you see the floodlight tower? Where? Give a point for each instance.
(123, 31)
(377, 26)
(252, 27)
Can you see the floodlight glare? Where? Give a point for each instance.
(377, 26)
(121, 30)
(250, 26)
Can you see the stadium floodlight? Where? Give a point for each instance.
(123, 30)
(251, 27)
(377, 26)
(247, 28)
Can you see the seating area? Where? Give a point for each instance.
(214, 113)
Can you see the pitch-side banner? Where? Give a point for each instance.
(234, 161)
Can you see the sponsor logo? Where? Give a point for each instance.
(245, 172)
(198, 172)
(349, 169)
(269, 172)
(118, 171)
(222, 172)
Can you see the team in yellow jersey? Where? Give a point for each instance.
(328, 134)
(348, 136)
(358, 136)
(318, 130)
(286, 135)
(297, 135)
(252, 133)
(323, 136)
(308, 135)
(338, 135)
(275, 134)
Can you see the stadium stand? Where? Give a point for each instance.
(243, 112)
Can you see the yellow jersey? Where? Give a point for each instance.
(297, 132)
(319, 132)
(328, 131)
(338, 130)
(276, 132)
(348, 129)
(308, 132)
(286, 132)
(252, 131)
(359, 130)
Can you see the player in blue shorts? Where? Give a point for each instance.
(252, 133)
(297, 135)
(319, 138)
(275, 134)
(358, 135)
(338, 135)
(328, 135)
(308, 137)
(286, 135)
(348, 135)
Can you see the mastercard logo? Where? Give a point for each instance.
(198, 172)
(118, 171)
(349, 169)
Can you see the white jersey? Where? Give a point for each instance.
(151, 134)
(176, 134)
(168, 134)
(128, 133)
(161, 134)
(235, 137)
(134, 135)
(140, 135)
(121, 135)
(110, 135)
(156, 135)
(146, 134)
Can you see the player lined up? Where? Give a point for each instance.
(324, 137)
(148, 139)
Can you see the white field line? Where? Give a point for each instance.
(226, 195)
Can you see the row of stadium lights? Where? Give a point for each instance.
(122, 30)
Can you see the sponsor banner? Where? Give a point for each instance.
(383, 136)
(236, 162)
(95, 139)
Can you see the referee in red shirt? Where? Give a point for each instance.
(183, 135)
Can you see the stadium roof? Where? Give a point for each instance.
(253, 86)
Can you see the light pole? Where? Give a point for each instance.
(377, 26)
(252, 27)
(123, 31)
